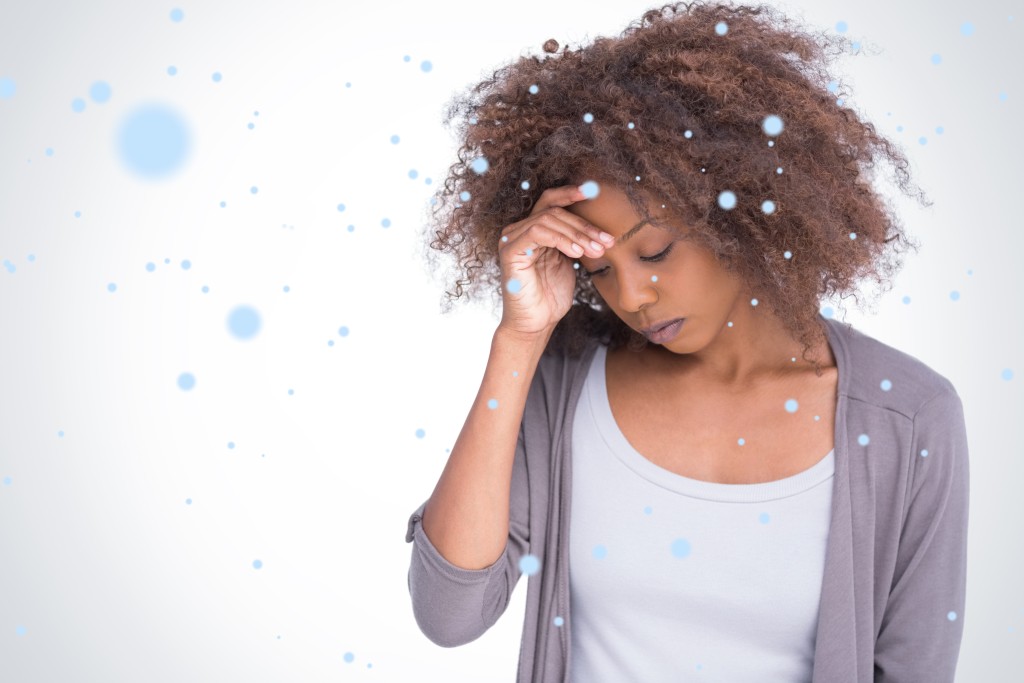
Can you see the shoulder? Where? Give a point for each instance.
(886, 377)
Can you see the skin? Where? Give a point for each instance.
(692, 284)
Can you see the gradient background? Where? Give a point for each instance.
(252, 527)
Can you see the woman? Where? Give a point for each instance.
(752, 492)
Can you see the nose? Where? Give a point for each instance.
(635, 292)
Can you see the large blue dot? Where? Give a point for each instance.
(244, 322)
(6, 87)
(153, 140)
(177, 14)
(186, 381)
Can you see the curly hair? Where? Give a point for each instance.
(676, 110)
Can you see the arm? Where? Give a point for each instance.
(919, 639)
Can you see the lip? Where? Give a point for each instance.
(666, 332)
(657, 326)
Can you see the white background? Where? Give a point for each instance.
(108, 573)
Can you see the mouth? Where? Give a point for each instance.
(662, 334)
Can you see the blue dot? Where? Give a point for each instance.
(906, 299)
(186, 264)
(529, 564)
(768, 206)
(205, 289)
(216, 77)
(177, 15)
(588, 117)
(590, 189)
(1007, 374)
(78, 214)
(764, 518)
(287, 289)
(244, 322)
(863, 440)
(922, 140)
(936, 58)
(492, 403)
(772, 125)
(924, 453)
(534, 89)
(78, 105)
(648, 510)
(680, 548)
(395, 139)
(186, 381)
(406, 58)
(153, 140)
(188, 501)
(31, 257)
(172, 70)
(257, 564)
(254, 189)
(465, 195)
(343, 331)
(349, 656)
(954, 295)
(951, 615)
(832, 86)
(514, 285)
(558, 621)
(49, 151)
(841, 26)
(231, 444)
(425, 65)
(341, 207)
(386, 222)
(525, 184)
(599, 552)
(60, 433)
(420, 433)
(19, 630)
(886, 385)
(100, 92)
(111, 287)
(223, 204)
(7, 87)
(721, 28)
(967, 28)
(251, 126)
(727, 199)
(791, 405)
(939, 130)
(480, 165)
(413, 173)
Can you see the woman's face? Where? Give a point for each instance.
(690, 283)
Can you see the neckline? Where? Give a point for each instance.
(609, 431)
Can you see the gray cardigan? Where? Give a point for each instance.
(892, 599)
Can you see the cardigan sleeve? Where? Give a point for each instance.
(453, 605)
(921, 629)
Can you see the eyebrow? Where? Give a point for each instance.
(632, 231)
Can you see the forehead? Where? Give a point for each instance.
(612, 211)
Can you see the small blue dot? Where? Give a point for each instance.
(341, 207)
(186, 264)
(600, 552)
(413, 173)
(791, 405)
(150, 266)
(177, 15)
(841, 26)
(863, 440)
(111, 287)
(100, 91)
(558, 621)
(7, 87)
(257, 564)
(172, 70)
(186, 381)
(936, 58)
(386, 222)
(967, 28)
(395, 139)
(254, 189)
(425, 65)
(1007, 374)
(216, 77)
(349, 656)
(529, 564)
(49, 151)
(954, 295)
(886, 385)
(680, 548)
(77, 105)
(420, 433)
(231, 444)
(492, 403)
(223, 204)
(343, 331)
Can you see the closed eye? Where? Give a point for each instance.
(655, 258)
